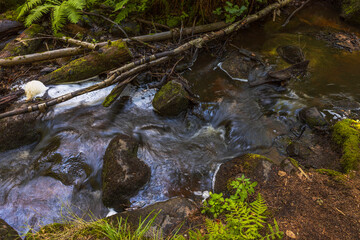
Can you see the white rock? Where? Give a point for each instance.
(34, 88)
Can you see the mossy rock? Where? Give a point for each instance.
(123, 174)
(350, 11)
(253, 166)
(171, 99)
(346, 133)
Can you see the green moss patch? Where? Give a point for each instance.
(346, 133)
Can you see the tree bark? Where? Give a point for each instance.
(24, 43)
(90, 65)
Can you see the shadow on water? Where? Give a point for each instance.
(36, 181)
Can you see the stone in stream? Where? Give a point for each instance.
(171, 99)
(172, 214)
(7, 232)
(253, 166)
(123, 173)
(312, 117)
(17, 131)
(291, 54)
(238, 66)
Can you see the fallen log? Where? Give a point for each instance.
(110, 56)
(19, 46)
(100, 85)
(66, 52)
(130, 69)
(8, 28)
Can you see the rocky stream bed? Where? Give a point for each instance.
(264, 106)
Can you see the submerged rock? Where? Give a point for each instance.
(238, 66)
(291, 54)
(123, 173)
(171, 99)
(312, 117)
(172, 214)
(7, 232)
(17, 131)
(253, 166)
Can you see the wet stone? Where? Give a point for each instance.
(291, 54)
(171, 99)
(312, 117)
(238, 66)
(18, 131)
(123, 173)
(7, 232)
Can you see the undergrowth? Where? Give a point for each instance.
(171, 12)
(237, 217)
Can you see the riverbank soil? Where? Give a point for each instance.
(321, 208)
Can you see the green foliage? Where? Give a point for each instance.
(60, 11)
(217, 204)
(232, 11)
(243, 219)
(123, 8)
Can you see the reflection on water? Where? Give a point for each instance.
(36, 181)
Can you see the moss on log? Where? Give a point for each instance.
(107, 58)
(22, 44)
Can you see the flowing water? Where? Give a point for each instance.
(40, 181)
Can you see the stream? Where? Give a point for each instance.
(60, 175)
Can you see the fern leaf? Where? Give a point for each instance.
(72, 14)
(58, 17)
(37, 13)
(120, 5)
(27, 6)
(76, 4)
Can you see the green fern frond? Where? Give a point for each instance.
(27, 6)
(37, 13)
(58, 17)
(120, 5)
(77, 4)
(72, 14)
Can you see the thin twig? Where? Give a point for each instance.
(152, 23)
(293, 13)
(107, 19)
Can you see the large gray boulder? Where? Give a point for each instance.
(172, 214)
(123, 173)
